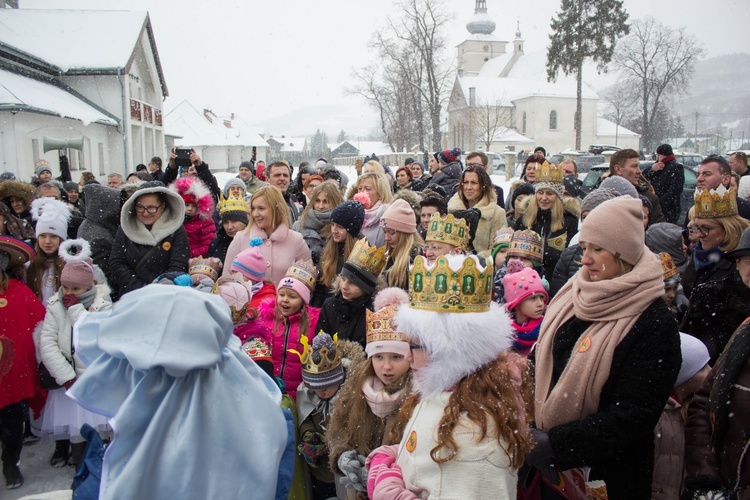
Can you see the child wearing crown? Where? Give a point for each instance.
(324, 365)
(62, 418)
(368, 404)
(466, 434)
(526, 300)
(284, 320)
(232, 220)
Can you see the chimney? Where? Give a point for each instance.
(472, 96)
(232, 116)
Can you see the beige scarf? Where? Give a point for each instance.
(614, 306)
(380, 402)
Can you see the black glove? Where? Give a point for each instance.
(541, 456)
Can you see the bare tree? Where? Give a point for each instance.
(489, 122)
(619, 100)
(657, 63)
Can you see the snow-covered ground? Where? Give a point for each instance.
(39, 475)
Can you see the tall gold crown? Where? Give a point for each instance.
(448, 230)
(668, 267)
(380, 325)
(368, 258)
(549, 172)
(713, 204)
(230, 204)
(444, 289)
(329, 359)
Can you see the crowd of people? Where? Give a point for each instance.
(416, 332)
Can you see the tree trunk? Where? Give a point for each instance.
(436, 134)
(579, 105)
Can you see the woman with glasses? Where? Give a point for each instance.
(151, 240)
(475, 190)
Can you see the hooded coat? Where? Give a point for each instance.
(161, 249)
(100, 225)
(447, 177)
(666, 237)
(200, 228)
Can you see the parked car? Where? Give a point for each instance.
(585, 162)
(691, 160)
(496, 161)
(688, 188)
(597, 149)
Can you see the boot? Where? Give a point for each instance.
(11, 457)
(76, 454)
(61, 454)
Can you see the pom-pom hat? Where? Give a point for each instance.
(448, 156)
(521, 285)
(51, 217)
(250, 262)
(321, 362)
(351, 214)
(79, 268)
(194, 192)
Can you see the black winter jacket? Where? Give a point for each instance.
(568, 264)
(448, 178)
(668, 184)
(348, 318)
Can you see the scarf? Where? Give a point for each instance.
(704, 259)
(380, 402)
(315, 220)
(86, 298)
(613, 306)
(526, 335)
(667, 159)
(372, 214)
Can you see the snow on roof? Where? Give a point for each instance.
(26, 94)
(496, 65)
(64, 38)
(606, 127)
(512, 135)
(187, 122)
(367, 148)
(481, 37)
(292, 144)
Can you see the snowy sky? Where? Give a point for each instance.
(264, 59)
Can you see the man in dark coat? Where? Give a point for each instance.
(154, 168)
(448, 170)
(667, 176)
(624, 163)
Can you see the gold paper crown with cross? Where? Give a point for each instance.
(713, 204)
(380, 327)
(443, 288)
(230, 204)
(258, 350)
(329, 359)
(668, 267)
(368, 258)
(448, 230)
(549, 172)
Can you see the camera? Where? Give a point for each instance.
(183, 157)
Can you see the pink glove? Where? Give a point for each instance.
(381, 462)
(70, 300)
(389, 485)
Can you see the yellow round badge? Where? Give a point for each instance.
(411, 443)
(166, 246)
(585, 345)
(3, 302)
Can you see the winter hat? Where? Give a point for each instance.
(71, 186)
(502, 240)
(520, 284)
(364, 265)
(523, 188)
(237, 297)
(694, 357)
(14, 252)
(399, 216)
(596, 198)
(382, 333)
(250, 263)
(42, 166)
(617, 226)
(300, 278)
(571, 185)
(321, 362)
(7, 176)
(200, 268)
(351, 214)
(666, 150)
(194, 192)
(234, 181)
(51, 217)
(619, 184)
(550, 176)
(248, 165)
(321, 164)
(79, 268)
(742, 248)
(448, 156)
(313, 177)
(743, 189)
(232, 208)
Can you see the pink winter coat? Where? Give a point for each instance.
(280, 250)
(286, 364)
(200, 232)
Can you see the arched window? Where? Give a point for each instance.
(553, 120)
(523, 123)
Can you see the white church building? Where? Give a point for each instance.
(88, 83)
(501, 96)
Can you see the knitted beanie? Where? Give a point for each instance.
(523, 188)
(79, 268)
(557, 187)
(596, 198)
(234, 181)
(400, 217)
(42, 166)
(323, 369)
(448, 156)
(619, 184)
(71, 186)
(664, 149)
(250, 262)
(237, 297)
(351, 214)
(51, 217)
(300, 278)
(617, 226)
(694, 357)
(519, 285)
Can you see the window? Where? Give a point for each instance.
(102, 170)
(523, 123)
(553, 120)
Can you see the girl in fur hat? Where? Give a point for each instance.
(199, 206)
(466, 432)
(43, 273)
(369, 402)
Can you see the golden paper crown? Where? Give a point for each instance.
(230, 204)
(257, 349)
(526, 244)
(380, 325)
(368, 258)
(448, 230)
(549, 172)
(444, 289)
(328, 359)
(713, 204)
(668, 267)
(209, 266)
(304, 271)
(503, 236)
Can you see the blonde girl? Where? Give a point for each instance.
(399, 224)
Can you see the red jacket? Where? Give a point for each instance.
(20, 312)
(286, 365)
(200, 232)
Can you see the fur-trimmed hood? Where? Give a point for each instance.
(17, 189)
(169, 222)
(192, 190)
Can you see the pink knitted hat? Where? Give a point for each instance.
(250, 262)
(521, 285)
(400, 217)
(79, 268)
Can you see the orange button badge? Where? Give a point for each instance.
(585, 344)
(166, 246)
(411, 443)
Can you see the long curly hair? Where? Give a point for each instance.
(329, 260)
(353, 426)
(497, 397)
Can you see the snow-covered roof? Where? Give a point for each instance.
(367, 148)
(292, 144)
(606, 127)
(26, 94)
(191, 125)
(512, 135)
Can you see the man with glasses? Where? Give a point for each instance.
(714, 171)
(480, 160)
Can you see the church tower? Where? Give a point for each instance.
(481, 44)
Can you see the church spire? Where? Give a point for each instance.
(480, 22)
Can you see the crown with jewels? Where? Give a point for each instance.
(448, 230)
(230, 204)
(503, 236)
(668, 267)
(445, 288)
(210, 266)
(549, 172)
(721, 202)
(328, 359)
(257, 349)
(526, 244)
(380, 325)
(368, 258)
(304, 271)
